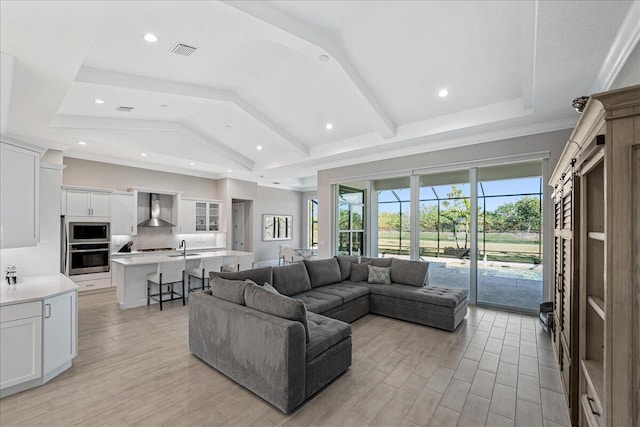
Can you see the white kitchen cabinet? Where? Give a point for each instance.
(186, 216)
(20, 343)
(88, 203)
(123, 217)
(199, 216)
(59, 335)
(19, 196)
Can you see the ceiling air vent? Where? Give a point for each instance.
(124, 109)
(182, 49)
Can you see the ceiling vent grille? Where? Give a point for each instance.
(124, 109)
(182, 49)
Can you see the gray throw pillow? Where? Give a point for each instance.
(345, 261)
(413, 273)
(323, 272)
(380, 275)
(258, 298)
(228, 290)
(360, 272)
(258, 275)
(270, 288)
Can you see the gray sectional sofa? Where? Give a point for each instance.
(286, 341)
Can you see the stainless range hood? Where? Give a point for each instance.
(155, 220)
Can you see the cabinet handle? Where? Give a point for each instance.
(132, 228)
(593, 411)
(47, 311)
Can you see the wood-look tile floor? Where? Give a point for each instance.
(134, 368)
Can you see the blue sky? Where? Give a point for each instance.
(511, 186)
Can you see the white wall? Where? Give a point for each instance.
(279, 202)
(104, 175)
(44, 258)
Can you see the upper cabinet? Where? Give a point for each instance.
(88, 203)
(19, 195)
(198, 216)
(124, 214)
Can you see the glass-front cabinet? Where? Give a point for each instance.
(199, 216)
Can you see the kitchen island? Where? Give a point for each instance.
(130, 273)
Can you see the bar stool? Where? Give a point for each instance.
(167, 273)
(202, 271)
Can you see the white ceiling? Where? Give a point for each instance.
(511, 69)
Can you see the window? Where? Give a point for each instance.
(350, 220)
(313, 223)
(394, 217)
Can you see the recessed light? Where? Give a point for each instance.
(323, 58)
(82, 143)
(143, 154)
(329, 126)
(229, 171)
(259, 147)
(443, 93)
(98, 101)
(191, 163)
(151, 38)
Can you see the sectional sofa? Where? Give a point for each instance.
(284, 333)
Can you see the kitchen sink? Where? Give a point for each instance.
(179, 255)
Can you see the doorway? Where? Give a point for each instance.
(241, 230)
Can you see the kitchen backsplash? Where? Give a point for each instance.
(148, 238)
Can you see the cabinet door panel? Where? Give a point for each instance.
(100, 204)
(78, 203)
(20, 351)
(19, 179)
(124, 214)
(187, 217)
(59, 330)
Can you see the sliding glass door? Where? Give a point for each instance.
(394, 217)
(351, 204)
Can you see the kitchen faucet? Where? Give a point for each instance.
(183, 246)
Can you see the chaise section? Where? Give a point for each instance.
(438, 307)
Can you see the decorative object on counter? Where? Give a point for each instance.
(277, 227)
(156, 250)
(12, 274)
(579, 103)
(126, 247)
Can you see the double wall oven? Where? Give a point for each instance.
(89, 247)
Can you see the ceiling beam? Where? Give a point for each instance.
(76, 122)
(131, 81)
(272, 24)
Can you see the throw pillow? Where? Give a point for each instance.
(270, 288)
(258, 275)
(380, 275)
(258, 298)
(228, 290)
(345, 261)
(413, 273)
(360, 272)
(323, 272)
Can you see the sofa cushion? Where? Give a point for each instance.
(319, 302)
(379, 275)
(346, 290)
(378, 262)
(291, 279)
(323, 272)
(324, 333)
(258, 275)
(360, 272)
(437, 296)
(345, 261)
(260, 299)
(414, 273)
(228, 290)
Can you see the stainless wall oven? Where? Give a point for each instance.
(89, 248)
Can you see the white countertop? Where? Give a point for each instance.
(174, 251)
(156, 259)
(34, 288)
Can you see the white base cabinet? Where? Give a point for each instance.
(38, 337)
